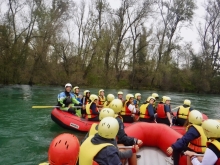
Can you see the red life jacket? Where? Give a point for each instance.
(160, 111)
(125, 110)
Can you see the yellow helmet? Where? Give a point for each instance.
(101, 90)
(136, 95)
(116, 105)
(74, 89)
(187, 102)
(106, 112)
(93, 97)
(211, 128)
(150, 97)
(86, 91)
(68, 85)
(164, 99)
(195, 117)
(110, 97)
(108, 128)
(155, 95)
(120, 93)
(128, 96)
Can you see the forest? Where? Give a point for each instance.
(136, 45)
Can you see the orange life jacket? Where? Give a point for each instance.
(160, 111)
(101, 100)
(89, 111)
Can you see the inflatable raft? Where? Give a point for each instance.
(156, 139)
(72, 122)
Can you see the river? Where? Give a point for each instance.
(26, 133)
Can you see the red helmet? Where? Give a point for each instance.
(64, 149)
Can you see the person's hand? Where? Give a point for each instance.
(169, 150)
(189, 153)
(136, 147)
(139, 142)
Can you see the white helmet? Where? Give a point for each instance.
(136, 95)
(74, 88)
(116, 105)
(106, 112)
(68, 85)
(211, 128)
(128, 96)
(149, 98)
(110, 97)
(164, 99)
(120, 93)
(195, 117)
(187, 102)
(101, 90)
(93, 97)
(155, 95)
(108, 128)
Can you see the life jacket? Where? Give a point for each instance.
(106, 104)
(89, 111)
(101, 100)
(93, 129)
(86, 158)
(143, 111)
(198, 145)
(183, 112)
(160, 111)
(216, 143)
(125, 110)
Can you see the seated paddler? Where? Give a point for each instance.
(66, 100)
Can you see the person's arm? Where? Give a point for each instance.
(168, 111)
(190, 135)
(60, 99)
(74, 100)
(150, 109)
(112, 156)
(132, 108)
(93, 108)
(209, 158)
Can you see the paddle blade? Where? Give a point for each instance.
(45, 106)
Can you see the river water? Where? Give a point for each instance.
(26, 133)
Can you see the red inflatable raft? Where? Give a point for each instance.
(72, 122)
(154, 136)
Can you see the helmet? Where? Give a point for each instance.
(155, 95)
(136, 95)
(101, 90)
(164, 99)
(150, 97)
(116, 105)
(167, 98)
(120, 93)
(187, 102)
(86, 91)
(195, 117)
(108, 128)
(110, 97)
(74, 89)
(68, 85)
(211, 128)
(93, 97)
(106, 112)
(64, 149)
(128, 96)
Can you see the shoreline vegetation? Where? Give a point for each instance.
(89, 43)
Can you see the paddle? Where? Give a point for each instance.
(175, 108)
(39, 107)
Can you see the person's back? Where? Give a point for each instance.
(102, 145)
(183, 112)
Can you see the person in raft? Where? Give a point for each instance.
(76, 93)
(66, 100)
(123, 154)
(211, 129)
(84, 101)
(147, 110)
(120, 96)
(164, 111)
(137, 100)
(183, 112)
(102, 145)
(156, 96)
(128, 111)
(109, 99)
(92, 110)
(122, 137)
(194, 139)
(102, 99)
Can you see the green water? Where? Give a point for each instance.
(25, 133)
